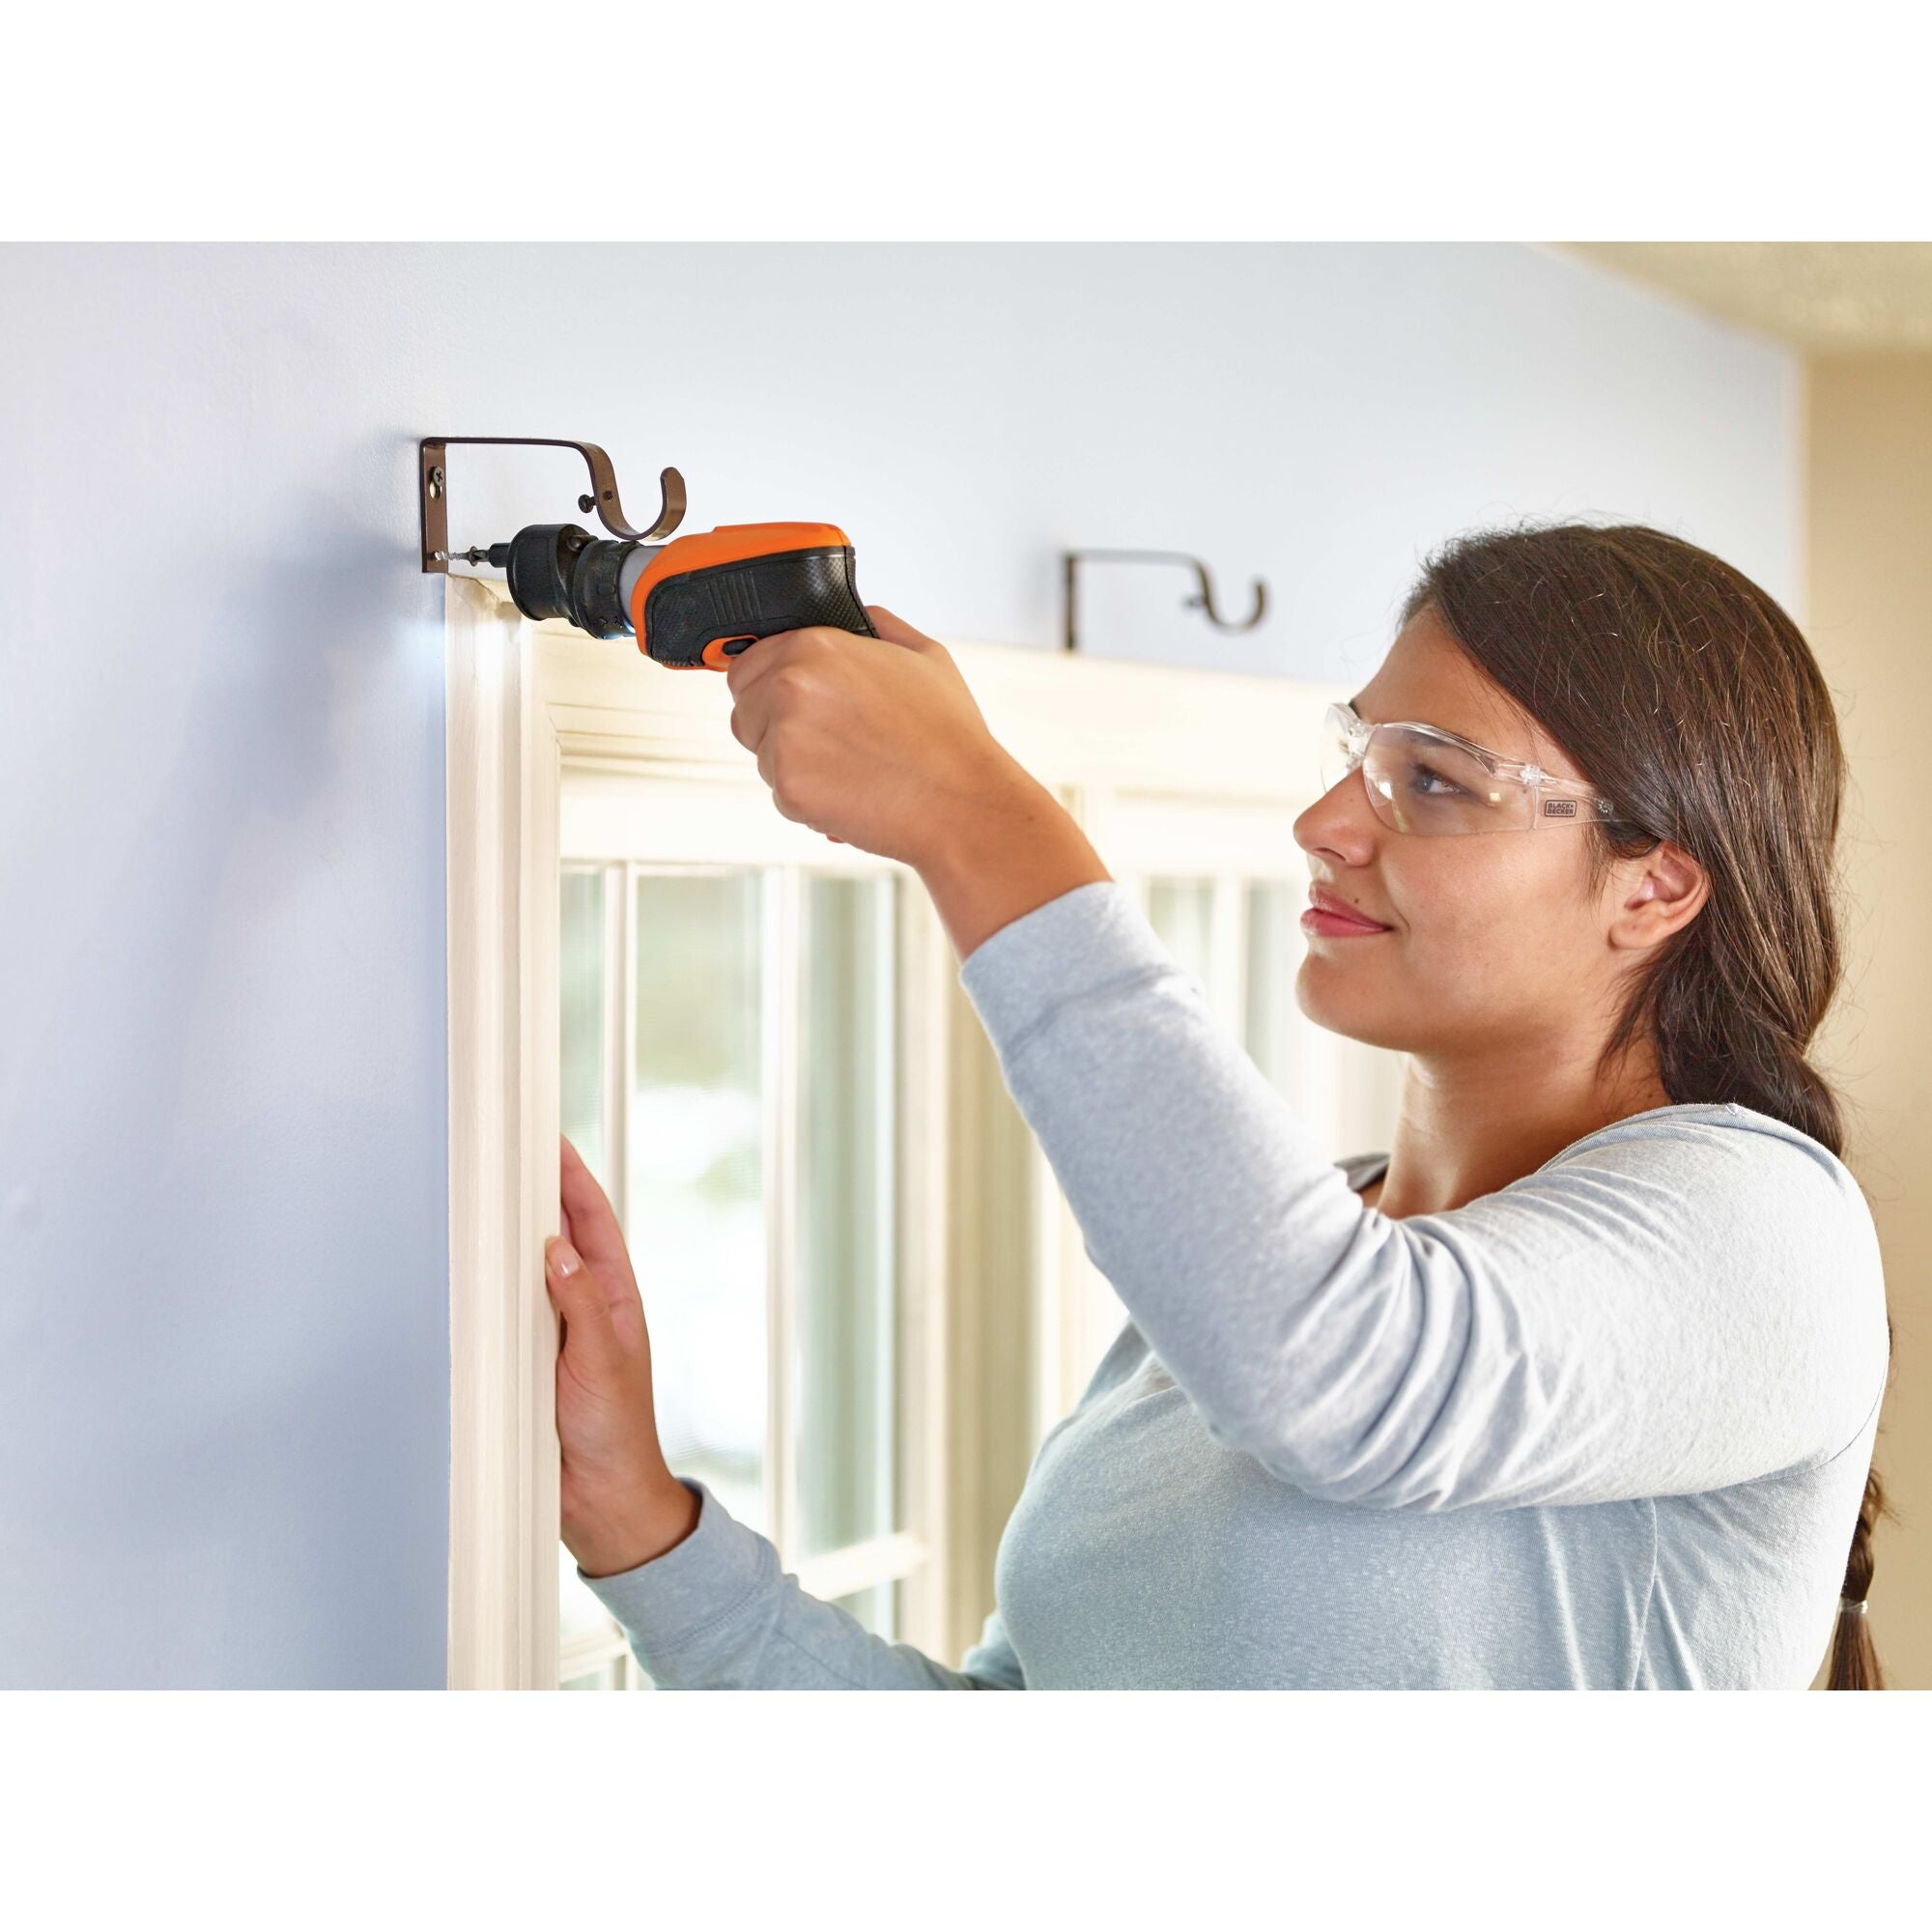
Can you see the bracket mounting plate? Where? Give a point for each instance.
(433, 487)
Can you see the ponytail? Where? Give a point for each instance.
(1854, 1665)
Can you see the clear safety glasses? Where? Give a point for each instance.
(1422, 779)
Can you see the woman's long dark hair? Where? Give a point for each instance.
(1686, 694)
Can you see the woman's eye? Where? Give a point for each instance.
(1437, 786)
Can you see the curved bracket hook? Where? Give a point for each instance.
(1072, 558)
(1206, 601)
(601, 495)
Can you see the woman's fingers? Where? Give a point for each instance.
(590, 1341)
(593, 1227)
(894, 628)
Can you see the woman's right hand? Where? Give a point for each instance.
(621, 1505)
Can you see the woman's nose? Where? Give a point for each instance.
(1340, 822)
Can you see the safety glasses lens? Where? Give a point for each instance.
(1418, 782)
(1421, 783)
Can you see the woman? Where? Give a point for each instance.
(1577, 1384)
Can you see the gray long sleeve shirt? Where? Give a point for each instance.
(1608, 1427)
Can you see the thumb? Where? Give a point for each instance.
(586, 1305)
(897, 631)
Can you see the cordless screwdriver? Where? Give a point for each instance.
(693, 603)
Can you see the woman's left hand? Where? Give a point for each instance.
(876, 742)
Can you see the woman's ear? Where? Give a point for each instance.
(1656, 896)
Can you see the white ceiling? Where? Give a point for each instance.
(1849, 297)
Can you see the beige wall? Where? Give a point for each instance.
(1868, 609)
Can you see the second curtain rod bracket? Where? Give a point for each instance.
(1071, 559)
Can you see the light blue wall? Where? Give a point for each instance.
(223, 1248)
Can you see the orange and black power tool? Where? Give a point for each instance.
(693, 603)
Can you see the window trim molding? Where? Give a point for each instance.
(1108, 735)
(503, 776)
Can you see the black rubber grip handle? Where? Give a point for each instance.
(755, 597)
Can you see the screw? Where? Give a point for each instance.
(435, 481)
(586, 504)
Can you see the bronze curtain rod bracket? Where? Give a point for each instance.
(1071, 559)
(433, 482)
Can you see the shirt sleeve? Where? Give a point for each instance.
(1686, 1299)
(717, 1612)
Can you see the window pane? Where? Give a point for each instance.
(1181, 911)
(1276, 1026)
(578, 1610)
(695, 1192)
(581, 978)
(609, 1677)
(877, 1608)
(581, 1019)
(1345, 1090)
(842, 1378)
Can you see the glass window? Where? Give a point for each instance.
(877, 1608)
(680, 1139)
(608, 1677)
(1181, 911)
(582, 971)
(1345, 1091)
(580, 1612)
(695, 1179)
(843, 1413)
(1276, 1026)
(582, 975)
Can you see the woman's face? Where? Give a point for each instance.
(1494, 941)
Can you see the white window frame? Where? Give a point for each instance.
(1170, 770)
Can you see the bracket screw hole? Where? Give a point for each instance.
(435, 482)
